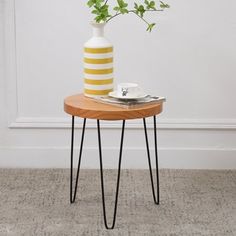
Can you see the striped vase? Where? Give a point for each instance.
(98, 64)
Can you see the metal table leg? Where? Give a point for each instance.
(118, 176)
(157, 196)
(72, 196)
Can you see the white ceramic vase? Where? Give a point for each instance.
(98, 63)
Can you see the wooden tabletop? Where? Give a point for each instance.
(79, 105)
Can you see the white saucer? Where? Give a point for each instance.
(128, 97)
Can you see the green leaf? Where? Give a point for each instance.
(124, 11)
(98, 19)
(90, 3)
(101, 10)
(141, 10)
(104, 8)
(122, 7)
(152, 5)
(147, 4)
(95, 12)
(120, 3)
(164, 5)
(116, 8)
(150, 27)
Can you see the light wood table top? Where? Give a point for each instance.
(79, 105)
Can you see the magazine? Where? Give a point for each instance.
(134, 103)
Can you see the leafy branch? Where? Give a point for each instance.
(101, 10)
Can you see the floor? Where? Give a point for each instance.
(193, 202)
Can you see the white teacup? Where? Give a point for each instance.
(128, 90)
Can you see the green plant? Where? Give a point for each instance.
(102, 10)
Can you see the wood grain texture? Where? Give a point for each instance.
(79, 105)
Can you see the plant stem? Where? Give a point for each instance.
(105, 3)
(140, 17)
(117, 14)
(155, 10)
(131, 11)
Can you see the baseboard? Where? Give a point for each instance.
(133, 158)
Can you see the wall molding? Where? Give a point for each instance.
(11, 61)
(63, 123)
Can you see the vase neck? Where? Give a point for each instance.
(98, 29)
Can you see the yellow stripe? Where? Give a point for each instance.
(97, 92)
(98, 50)
(97, 71)
(98, 61)
(98, 82)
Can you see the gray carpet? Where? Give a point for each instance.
(36, 202)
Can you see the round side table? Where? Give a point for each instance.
(88, 108)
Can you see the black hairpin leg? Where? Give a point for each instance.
(155, 197)
(118, 176)
(72, 196)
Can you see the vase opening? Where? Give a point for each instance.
(98, 29)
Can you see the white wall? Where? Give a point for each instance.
(190, 58)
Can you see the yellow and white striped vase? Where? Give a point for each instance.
(98, 64)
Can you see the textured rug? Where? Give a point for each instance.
(36, 202)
